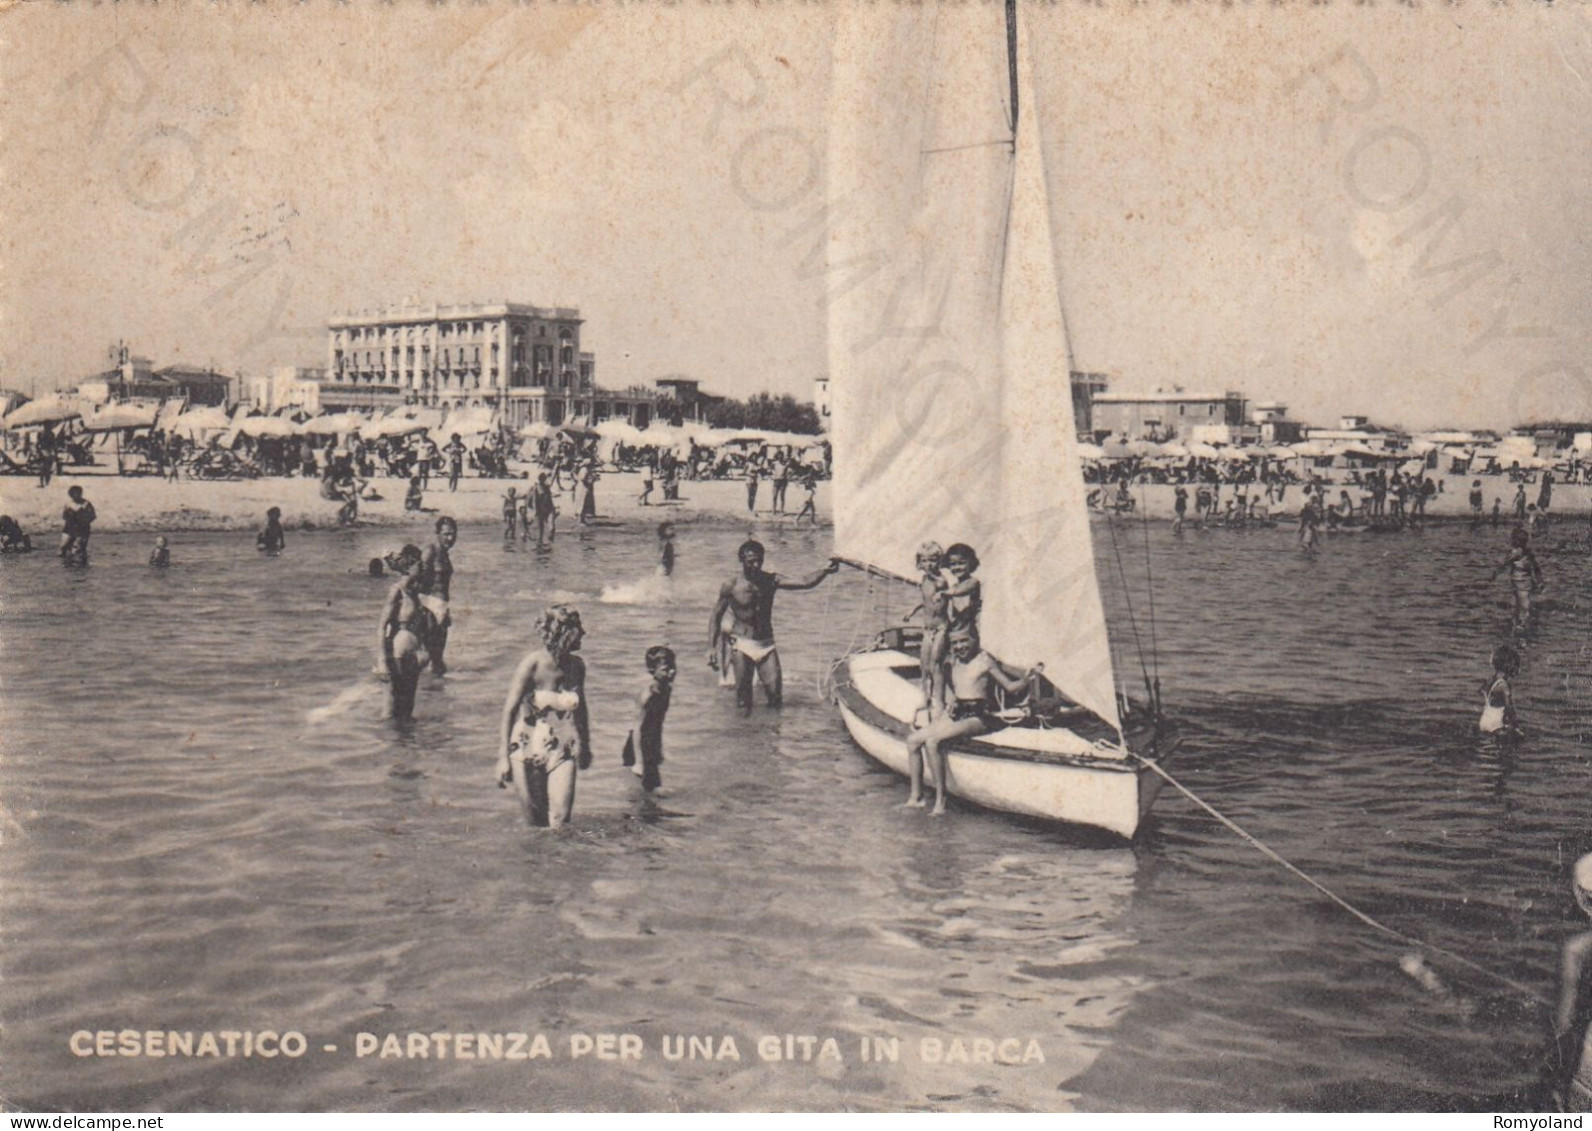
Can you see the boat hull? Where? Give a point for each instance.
(1053, 775)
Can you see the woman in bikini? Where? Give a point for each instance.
(546, 734)
(406, 625)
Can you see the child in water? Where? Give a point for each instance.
(934, 605)
(1498, 699)
(810, 503)
(644, 745)
(160, 556)
(273, 539)
(511, 515)
(665, 548)
(414, 498)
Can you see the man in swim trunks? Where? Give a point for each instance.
(546, 733)
(744, 616)
(434, 587)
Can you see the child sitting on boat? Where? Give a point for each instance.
(933, 603)
(1498, 699)
(969, 712)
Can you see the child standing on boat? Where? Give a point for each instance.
(969, 713)
(933, 604)
(965, 596)
(1498, 699)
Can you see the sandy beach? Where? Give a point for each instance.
(147, 503)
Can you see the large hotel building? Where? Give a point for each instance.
(525, 361)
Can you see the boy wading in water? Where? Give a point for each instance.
(546, 734)
(744, 617)
(969, 713)
(644, 746)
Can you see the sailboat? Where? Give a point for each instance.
(952, 411)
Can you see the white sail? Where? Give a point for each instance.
(948, 356)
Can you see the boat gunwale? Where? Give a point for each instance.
(852, 698)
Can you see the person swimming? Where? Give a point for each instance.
(272, 539)
(160, 556)
(666, 549)
(1498, 701)
(13, 540)
(546, 732)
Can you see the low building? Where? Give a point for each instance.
(136, 379)
(1164, 414)
(687, 394)
(1271, 417)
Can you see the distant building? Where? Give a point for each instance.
(524, 360)
(1271, 417)
(310, 389)
(135, 379)
(1165, 415)
(687, 393)
(821, 402)
(1086, 388)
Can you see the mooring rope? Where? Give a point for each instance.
(1376, 924)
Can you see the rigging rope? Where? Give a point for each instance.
(1256, 843)
(1127, 596)
(1149, 585)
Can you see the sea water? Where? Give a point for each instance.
(210, 827)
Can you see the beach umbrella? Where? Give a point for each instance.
(334, 424)
(468, 422)
(1203, 451)
(110, 417)
(52, 409)
(272, 426)
(1175, 450)
(621, 430)
(1281, 451)
(202, 419)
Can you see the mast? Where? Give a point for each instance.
(1011, 63)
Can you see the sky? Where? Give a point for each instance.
(1351, 208)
